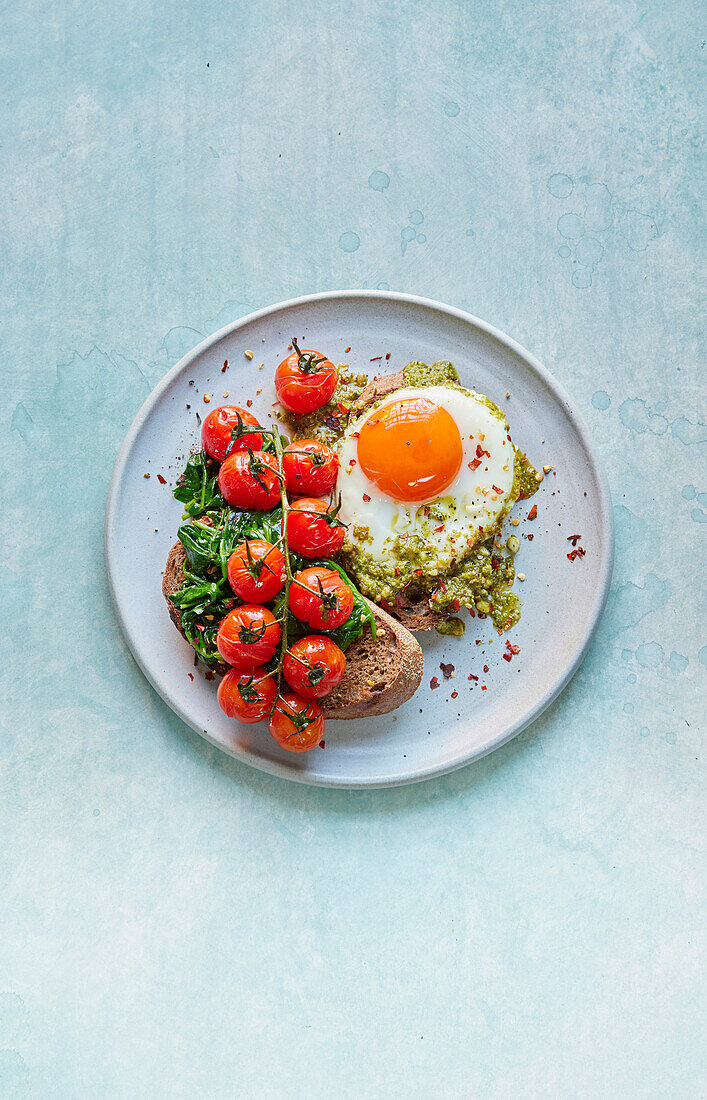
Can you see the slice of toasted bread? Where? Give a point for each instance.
(381, 673)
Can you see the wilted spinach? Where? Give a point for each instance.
(197, 487)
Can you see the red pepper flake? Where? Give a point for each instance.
(574, 539)
(507, 656)
(454, 694)
(434, 683)
(387, 355)
(455, 605)
(472, 677)
(375, 359)
(532, 514)
(322, 744)
(342, 408)
(578, 552)
(366, 498)
(145, 475)
(346, 351)
(162, 480)
(475, 463)
(483, 687)
(249, 403)
(417, 572)
(497, 490)
(440, 528)
(397, 571)
(190, 675)
(495, 563)
(530, 538)
(224, 368)
(480, 452)
(486, 668)
(447, 670)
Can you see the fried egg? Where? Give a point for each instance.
(434, 462)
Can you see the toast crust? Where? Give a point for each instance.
(381, 674)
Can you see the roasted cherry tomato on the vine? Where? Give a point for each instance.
(310, 467)
(250, 479)
(218, 428)
(305, 380)
(297, 724)
(256, 570)
(246, 696)
(320, 598)
(313, 529)
(313, 666)
(248, 636)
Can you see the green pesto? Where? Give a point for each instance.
(483, 582)
(525, 477)
(451, 627)
(439, 374)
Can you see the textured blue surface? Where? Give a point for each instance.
(175, 924)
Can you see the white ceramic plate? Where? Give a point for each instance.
(562, 600)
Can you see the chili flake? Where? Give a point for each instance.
(434, 683)
(162, 480)
(532, 514)
(574, 539)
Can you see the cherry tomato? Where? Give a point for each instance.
(313, 529)
(248, 636)
(245, 696)
(320, 598)
(250, 479)
(310, 467)
(256, 571)
(305, 380)
(217, 430)
(313, 666)
(297, 724)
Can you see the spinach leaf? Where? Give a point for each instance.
(197, 487)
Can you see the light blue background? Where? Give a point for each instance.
(176, 924)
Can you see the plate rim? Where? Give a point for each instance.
(281, 770)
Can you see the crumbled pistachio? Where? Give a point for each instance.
(248, 354)
(515, 521)
(547, 469)
(521, 576)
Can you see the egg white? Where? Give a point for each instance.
(472, 506)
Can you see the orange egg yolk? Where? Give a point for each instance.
(411, 449)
